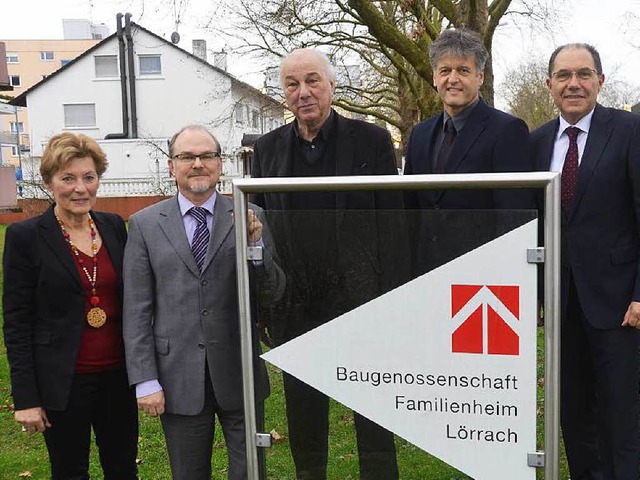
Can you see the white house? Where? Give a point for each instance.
(132, 91)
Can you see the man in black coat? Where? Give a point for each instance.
(469, 136)
(597, 150)
(334, 247)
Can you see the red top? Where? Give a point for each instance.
(101, 349)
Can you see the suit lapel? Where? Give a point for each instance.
(473, 127)
(51, 235)
(547, 143)
(110, 242)
(222, 224)
(282, 166)
(345, 155)
(171, 223)
(428, 145)
(599, 134)
(426, 154)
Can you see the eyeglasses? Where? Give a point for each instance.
(206, 157)
(581, 74)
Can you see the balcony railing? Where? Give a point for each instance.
(130, 187)
(10, 138)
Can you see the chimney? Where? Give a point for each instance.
(200, 49)
(4, 73)
(220, 60)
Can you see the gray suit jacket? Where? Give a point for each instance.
(176, 317)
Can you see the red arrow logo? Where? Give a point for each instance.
(485, 319)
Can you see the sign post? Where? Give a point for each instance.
(448, 360)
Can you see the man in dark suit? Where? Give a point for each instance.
(597, 150)
(336, 255)
(181, 325)
(469, 136)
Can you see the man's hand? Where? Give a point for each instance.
(32, 419)
(632, 317)
(153, 404)
(254, 227)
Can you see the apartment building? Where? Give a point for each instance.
(30, 61)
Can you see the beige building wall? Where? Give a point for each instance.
(32, 61)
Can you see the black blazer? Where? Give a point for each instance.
(361, 149)
(491, 141)
(43, 304)
(600, 233)
(369, 242)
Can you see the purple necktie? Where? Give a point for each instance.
(570, 168)
(200, 239)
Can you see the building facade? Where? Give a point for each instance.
(29, 62)
(132, 91)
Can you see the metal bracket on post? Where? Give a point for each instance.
(254, 254)
(535, 255)
(263, 440)
(535, 459)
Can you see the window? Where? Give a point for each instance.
(239, 113)
(16, 127)
(150, 65)
(79, 115)
(14, 151)
(255, 119)
(106, 66)
(46, 56)
(64, 62)
(14, 80)
(12, 58)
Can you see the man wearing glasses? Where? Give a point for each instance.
(180, 326)
(597, 149)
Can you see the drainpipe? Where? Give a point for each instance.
(132, 75)
(123, 83)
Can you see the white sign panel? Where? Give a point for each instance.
(446, 361)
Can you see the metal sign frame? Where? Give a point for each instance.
(550, 181)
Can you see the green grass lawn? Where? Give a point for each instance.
(25, 456)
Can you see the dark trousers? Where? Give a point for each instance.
(190, 440)
(105, 402)
(308, 418)
(599, 403)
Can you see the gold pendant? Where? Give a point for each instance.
(96, 317)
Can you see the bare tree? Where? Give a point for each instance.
(527, 95)
(618, 93)
(380, 47)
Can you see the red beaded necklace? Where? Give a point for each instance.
(96, 317)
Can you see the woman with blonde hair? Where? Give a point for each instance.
(62, 319)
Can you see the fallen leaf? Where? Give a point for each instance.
(276, 436)
(25, 474)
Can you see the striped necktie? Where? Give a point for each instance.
(200, 236)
